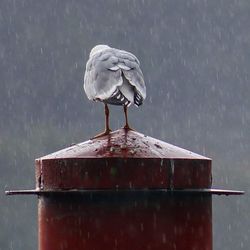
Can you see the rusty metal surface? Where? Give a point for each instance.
(123, 173)
(173, 222)
(123, 159)
(120, 192)
(126, 144)
(124, 191)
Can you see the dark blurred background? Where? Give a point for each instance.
(195, 55)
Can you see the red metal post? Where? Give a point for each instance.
(138, 223)
(124, 191)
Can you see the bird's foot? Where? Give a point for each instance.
(127, 127)
(106, 132)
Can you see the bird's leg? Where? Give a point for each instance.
(125, 109)
(107, 128)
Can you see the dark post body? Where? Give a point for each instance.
(124, 191)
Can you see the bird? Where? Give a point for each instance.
(114, 77)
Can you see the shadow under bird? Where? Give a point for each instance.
(113, 76)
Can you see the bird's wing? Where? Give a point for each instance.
(100, 80)
(130, 67)
(104, 74)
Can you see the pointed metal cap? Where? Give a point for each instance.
(125, 159)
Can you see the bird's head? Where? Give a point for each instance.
(98, 48)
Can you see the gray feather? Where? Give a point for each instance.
(109, 69)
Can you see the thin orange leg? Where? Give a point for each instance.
(125, 109)
(107, 128)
